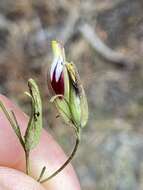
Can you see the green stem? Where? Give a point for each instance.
(41, 174)
(65, 164)
(27, 161)
(13, 122)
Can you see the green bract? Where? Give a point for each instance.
(33, 131)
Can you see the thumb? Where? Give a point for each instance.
(47, 153)
(14, 180)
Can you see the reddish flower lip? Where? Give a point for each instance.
(58, 86)
(57, 77)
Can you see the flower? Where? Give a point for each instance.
(69, 96)
(56, 72)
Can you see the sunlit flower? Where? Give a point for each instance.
(69, 96)
(56, 72)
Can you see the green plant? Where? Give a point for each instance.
(67, 94)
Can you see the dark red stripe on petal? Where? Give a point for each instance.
(58, 86)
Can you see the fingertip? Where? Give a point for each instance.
(14, 180)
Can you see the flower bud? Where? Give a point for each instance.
(59, 81)
(56, 72)
(69, 96)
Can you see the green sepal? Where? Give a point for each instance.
(63, 107)
(78, 101)
(84, 108)
(75, 107)
(33, 131)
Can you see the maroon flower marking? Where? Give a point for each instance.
(58, 86)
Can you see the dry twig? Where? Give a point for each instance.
(116, 57)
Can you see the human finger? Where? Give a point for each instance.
(47, 153)
(11, 179)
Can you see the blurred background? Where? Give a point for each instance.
(104, 38)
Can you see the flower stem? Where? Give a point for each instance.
(27, 161)
(65, 164)
(41, 174)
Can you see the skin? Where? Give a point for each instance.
(48, 153)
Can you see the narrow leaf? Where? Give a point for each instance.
(13, 122)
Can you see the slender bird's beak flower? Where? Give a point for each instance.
(56, 72)
(68, 93)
